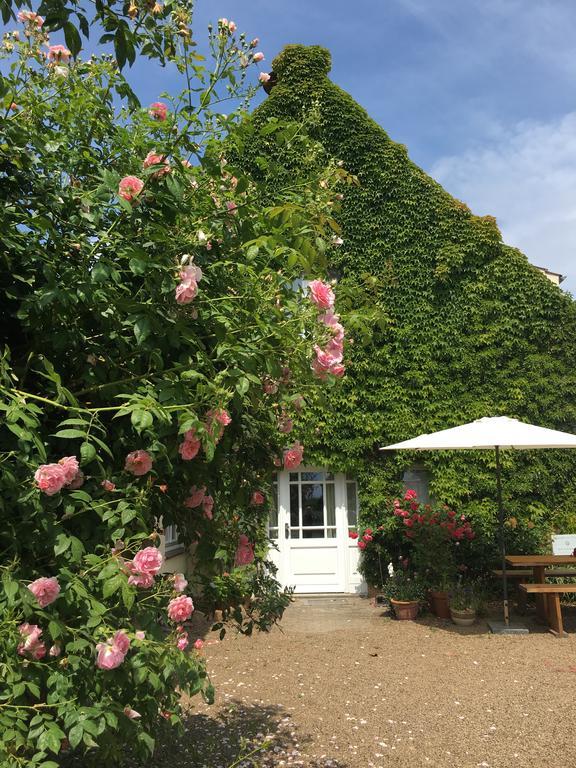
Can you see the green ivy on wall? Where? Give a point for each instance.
(461, 325)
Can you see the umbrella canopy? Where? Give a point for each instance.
(490, 433)
(487, 433)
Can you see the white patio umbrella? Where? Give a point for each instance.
(490, 433)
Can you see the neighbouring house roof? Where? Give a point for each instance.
(555, 277)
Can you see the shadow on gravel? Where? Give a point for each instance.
(243, 736)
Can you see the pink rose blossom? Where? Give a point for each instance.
(55, 651)
(196, 497)
(154, 159)
(258, 498)
(131, 713)
(198, 644)
(158, 111)
(187, 289)
(130, 187)
(142, 580)
(148, 560)
(70, 466)
(254, 43)
(59, 53)
(50, 478)
(77, 481)
(138, 463)
(108, 485)
(263, 77)
(321, 294)
(191, 445)
(30, 17)
(122, 641)
(293, 456)
(361, 544)
(410, 494)
(32, 644)
(208, 506)
(182, 641)
(258, 56)
(244, 551)
(232, 26)
(180, 582)
(45, 590)
(109, 656)
(231, 207)
(140, 634)
(180, 608)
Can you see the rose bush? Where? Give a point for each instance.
(153, 352)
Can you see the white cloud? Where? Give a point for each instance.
(526, 177)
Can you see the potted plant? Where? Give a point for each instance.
(405, 593)
(434, 531)
(464, 602)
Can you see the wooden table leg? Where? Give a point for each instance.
(522, 598)
(539, 572)
(555, 614)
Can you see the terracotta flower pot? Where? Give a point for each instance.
(439, 604)
(405, 610)
(464, 618)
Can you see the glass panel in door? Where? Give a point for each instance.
(312, 510)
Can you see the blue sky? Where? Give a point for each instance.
(482, 93)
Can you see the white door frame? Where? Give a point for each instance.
(337, 553)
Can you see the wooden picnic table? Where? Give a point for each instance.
(538, 564)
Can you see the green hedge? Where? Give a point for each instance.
(462, 326)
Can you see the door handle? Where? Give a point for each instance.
(286, 531)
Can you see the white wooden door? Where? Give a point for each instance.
(310, 528)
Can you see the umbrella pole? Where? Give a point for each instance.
(502, 541)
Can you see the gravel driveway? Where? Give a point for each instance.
(342, 684)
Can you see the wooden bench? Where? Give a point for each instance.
(525, 574)
(551, 593)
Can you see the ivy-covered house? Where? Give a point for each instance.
(457, 325)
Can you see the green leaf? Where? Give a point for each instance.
(75, 735)
(242, 385)
(113, 585)
(87, 453)
(72, 38)
(70, 434)
(142, 329)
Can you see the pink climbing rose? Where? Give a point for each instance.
(45, 590)
(244, 551)
(32, 644)
(59, 53)
(108, 485)
(50, 478)
(321, 294)
(130, 187)
(293, 456)
(258, 498)
(187, 289)
(258, 56)
(182, 641)
(263, 77)
(148, 560)
(70, 466)
(207, 506)
(158, 111)
(30, 17)
(191, 445)
(112, 653)
(196, 497)
(132, 714)
(180, 609)
(180, 582)
(155, 159)
(138, 463)
(198, 644)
